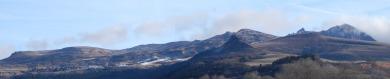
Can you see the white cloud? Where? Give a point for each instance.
(35, 44)
(182, 27)
(201, 26)
(271, 21)
(6, 50)
(106, 36)
(66, 40)
(151, 28)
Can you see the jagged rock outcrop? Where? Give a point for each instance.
(348, 32)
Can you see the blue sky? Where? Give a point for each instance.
(119, 24)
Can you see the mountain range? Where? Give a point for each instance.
(237, 51)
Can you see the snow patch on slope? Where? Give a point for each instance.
(163, 60)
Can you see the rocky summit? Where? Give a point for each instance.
(347, 31)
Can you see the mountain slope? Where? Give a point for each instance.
(347, 31)
(223, 60)
(65, 56)
(232, 48)
(328, 47)
(143, 56)
(250, 36)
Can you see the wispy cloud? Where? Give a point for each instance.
(35, 44)
(269, 20)
(201, 26)
(182, 27)
(106, 36)
(6, 50)
(273, 21)
(316, 9)
(154, 28)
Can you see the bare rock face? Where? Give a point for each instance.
(302, 31)
(250, 36)
(348, 32)
(234, 47)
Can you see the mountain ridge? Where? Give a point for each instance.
(240, 46)
(347, 31)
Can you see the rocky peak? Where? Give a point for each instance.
(235, 43)
(301, 31)
(249, 36)
(233, 47)
(344, 28)
(221, 37)
(348, 32)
